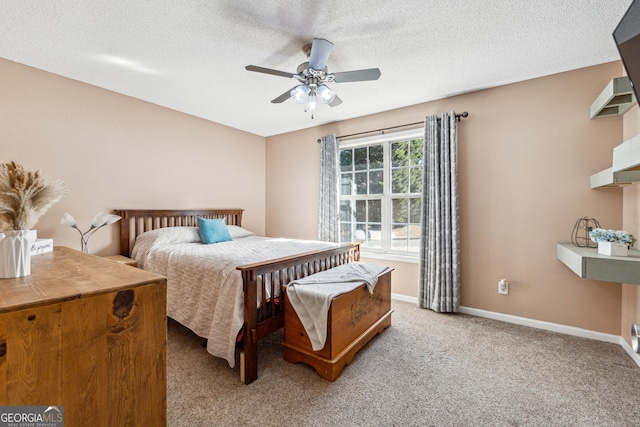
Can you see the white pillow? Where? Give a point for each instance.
(237, 232)
(162, 236)
(166, 235)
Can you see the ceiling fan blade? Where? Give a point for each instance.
(269, 71)
(282, 97)
(336, 101)
(357, 76)
(320, 51)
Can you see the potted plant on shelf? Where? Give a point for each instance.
(612, 242)
(24, 197)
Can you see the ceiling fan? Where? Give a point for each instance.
(313, 77)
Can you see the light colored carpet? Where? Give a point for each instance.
(428, 369)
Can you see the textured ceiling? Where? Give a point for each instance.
(190, 55)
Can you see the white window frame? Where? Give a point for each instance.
(385, 253)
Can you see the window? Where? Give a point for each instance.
(381, 192)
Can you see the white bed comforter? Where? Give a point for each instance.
(204, 289)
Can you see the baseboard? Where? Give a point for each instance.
(540, 324)
(404, 298)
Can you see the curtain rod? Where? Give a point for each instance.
(458, 117)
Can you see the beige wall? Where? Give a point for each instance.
(526, 153)
(631, 223)
(113, 151)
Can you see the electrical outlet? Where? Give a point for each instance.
(503, 287)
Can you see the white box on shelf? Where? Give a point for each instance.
(41, 246)
(612, 249)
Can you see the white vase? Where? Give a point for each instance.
(15, 259)
(612, 249)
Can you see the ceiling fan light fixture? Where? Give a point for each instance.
(312, 101)
(313, 76)
(299, 93)
(326, 94)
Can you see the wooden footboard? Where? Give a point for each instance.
(268, 276)
(271, 277)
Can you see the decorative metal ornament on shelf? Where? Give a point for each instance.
(580, 234)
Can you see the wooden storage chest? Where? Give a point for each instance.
(354, 318)
(87, 334)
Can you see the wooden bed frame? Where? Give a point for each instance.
(137, 221)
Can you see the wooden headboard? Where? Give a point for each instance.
(137, 221)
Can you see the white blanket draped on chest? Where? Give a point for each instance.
(311, 296)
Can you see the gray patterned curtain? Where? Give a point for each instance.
(329, 220)
(439, 286)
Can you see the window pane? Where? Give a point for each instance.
(400, 180)
(360, 233)
(346, 184)
(415, 175)
(345, 232)
(399, 212)
(414, 209)
(416, 151)
(374, 237)
(346, 213)
(361, 210)
(399, 237)
(414, 239)
(375, 210)
(376, 157)
(376, 182)
(361, 182)
(346, 160)
(360, 158)
(399, 154)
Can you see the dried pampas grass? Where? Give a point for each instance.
(25, 196)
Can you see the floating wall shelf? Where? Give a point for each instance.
(588, 264)
(626, 156)
(609, 178)
(625, 169)
(616, 99)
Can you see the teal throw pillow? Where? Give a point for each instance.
(213, 230)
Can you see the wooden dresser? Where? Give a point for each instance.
(87, 334)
